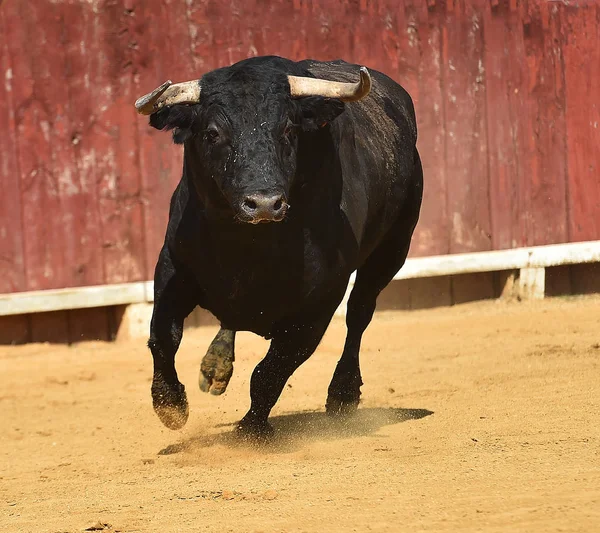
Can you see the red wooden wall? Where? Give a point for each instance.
(506, 91)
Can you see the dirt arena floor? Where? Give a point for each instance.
(482, 417)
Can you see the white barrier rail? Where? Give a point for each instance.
(530, 261)
(20, 303)
(517, 258)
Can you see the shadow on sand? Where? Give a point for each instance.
(291, 430)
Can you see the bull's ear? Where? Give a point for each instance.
(179, 118)
(318, 111)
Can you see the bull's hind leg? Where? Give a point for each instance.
(174, 299)
(344, 390)
(217, 365)
(371, 278)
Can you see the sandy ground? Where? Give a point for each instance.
(481, 417)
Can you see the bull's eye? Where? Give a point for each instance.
(212, 135)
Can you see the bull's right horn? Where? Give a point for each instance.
(187, 92)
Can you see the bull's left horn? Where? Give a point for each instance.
(187, 92)
(347, 92)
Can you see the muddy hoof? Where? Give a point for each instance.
(217, 365)
(252, 429)
(340, 408)
(170, 403)
(213, 386)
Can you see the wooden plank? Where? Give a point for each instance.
(115, 317)
(88, 324)
(291, 29)
(107, 129)
(59, 215)
(395, 297)
(432, 232)
(160, 161)
(373, 40)
(542, 189)
(428, 293)
(401, 45)
(79, 201)
(466, 132)
(558, 280)
(14, 329)
(104, 142)
(12, 263)
(253, 28)
(80, 110)
(232, 42)
(50, 327)
(472, 287)
(31, 127)
(201, 32)
(585, 279)
(505, 110)
(581, 49)
(406, 48)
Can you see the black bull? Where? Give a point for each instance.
(284, 194)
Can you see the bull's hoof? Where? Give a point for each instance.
(249, 428)
(343, 395)
(211, 385)
(170, 403)
(217, 365)
(340, 407)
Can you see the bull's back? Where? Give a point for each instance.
(376, 141)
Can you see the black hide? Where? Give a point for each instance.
(347, 182)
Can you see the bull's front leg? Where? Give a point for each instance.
(288, 350)
(285, 355)
(217, 365)
(175, 296)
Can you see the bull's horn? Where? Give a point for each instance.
(187, 92)
(347, 92)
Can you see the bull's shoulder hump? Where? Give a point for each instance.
(386, 93)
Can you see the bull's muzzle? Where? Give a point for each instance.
(257, 208)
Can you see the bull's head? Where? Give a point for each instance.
(241, 137)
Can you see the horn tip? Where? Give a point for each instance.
(144, 104)
(365, 81)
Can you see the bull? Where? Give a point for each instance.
(295, 175)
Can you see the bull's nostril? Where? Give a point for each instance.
(250, 204)
(263, 207)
